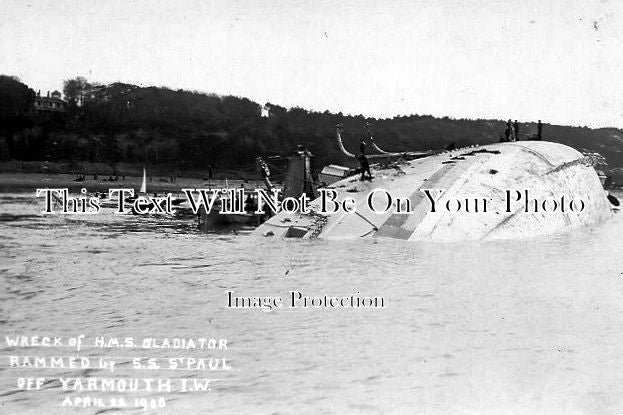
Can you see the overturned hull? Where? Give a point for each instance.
(498, 191)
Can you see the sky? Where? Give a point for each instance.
(556, 60)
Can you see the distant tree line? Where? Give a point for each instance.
(183, 129)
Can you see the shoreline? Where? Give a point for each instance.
(26, 182)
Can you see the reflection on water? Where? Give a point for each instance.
(498, 327)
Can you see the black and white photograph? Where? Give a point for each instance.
(311, 207)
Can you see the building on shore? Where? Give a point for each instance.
(50, 103)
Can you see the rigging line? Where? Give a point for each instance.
(374, 227)
(367, 233)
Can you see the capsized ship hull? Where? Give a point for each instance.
(547, 171)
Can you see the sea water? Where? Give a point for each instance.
(528, 327)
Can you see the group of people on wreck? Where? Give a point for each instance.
(511, 133)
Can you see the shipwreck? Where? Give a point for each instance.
(529, 188)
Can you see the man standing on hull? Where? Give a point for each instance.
(364, 165)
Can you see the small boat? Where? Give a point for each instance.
(298, 180)
(215, 219)
(143, 189)
(141, 193)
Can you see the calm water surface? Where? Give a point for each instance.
(530, 327)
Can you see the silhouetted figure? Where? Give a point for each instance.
(362, 147)
(250, 204)
(539, 130)
(508, 132)
(364, 167)
(516, 129)
(509, 125)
